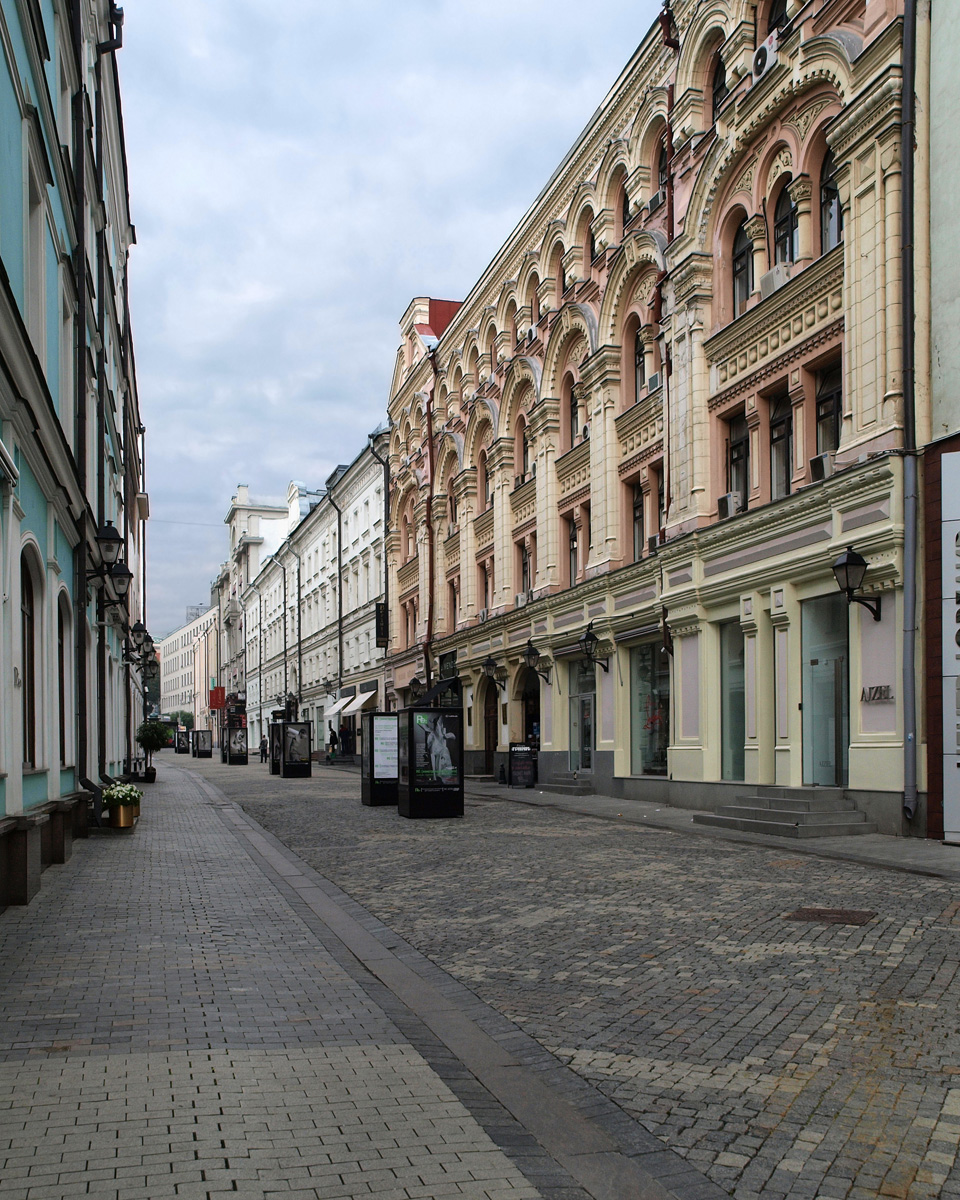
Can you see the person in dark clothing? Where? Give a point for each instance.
(333, 741)
(263, 749)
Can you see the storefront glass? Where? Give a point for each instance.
(732, 709)
(583, 687)
(826, 701)
(650, 709)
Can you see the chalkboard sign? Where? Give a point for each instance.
(523, 765)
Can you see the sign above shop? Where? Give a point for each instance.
(881, 693)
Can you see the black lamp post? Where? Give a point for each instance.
(849, 570)
(416, 689)
(138, 634)
(588, 646)
(120, 577)
(109, 543)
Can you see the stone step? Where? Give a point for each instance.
(836, 803)
(797, 816)
(480, 778)
(767, 791)
(785, 828)
(567, 788)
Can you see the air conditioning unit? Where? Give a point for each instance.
(531, 334)
(530, 595)
(728, 505)
(773, 280)
(653, 382)
(520, 599)
(652, 543)
(533, 470)
(586, 433)
(656, 201)
(765, 57)
(821, 467)
(482, 615)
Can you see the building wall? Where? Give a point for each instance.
(544, 487)
(944, 198)
(177, 671)
(70, 445)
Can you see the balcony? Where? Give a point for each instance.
(640, 428)
(523, 503)
(408, 576)
(573, 470)
(808, 304)
(483, 529)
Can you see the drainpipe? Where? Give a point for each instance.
(259, 651)
(431, 541)
(299, 631)
(339, 512)
(668, 36)
(385, 463)
(286, 683)
(910, 507)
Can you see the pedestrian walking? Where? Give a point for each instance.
(332, 741)
(263, 748)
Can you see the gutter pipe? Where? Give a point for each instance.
(339, 512)
(431, 539)
(910, 504)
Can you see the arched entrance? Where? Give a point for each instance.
(491, 726)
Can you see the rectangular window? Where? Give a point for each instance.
(525, 582)
(572, 551)
(638, 542)
(732, 701)
(781, 447)
(738, 458)
(829, 409)
(650, 709)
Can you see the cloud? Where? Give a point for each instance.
(297, 174)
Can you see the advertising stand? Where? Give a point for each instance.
(523, 765)
(237, 747)
(204, 743)
(430, 762)
(274, 738)
(193, 743)
(378, 762)
(295, 750)
(181, 743)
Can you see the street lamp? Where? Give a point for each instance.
(415, 687)
(109, 543)
(588, 647)
(138, 634)
(849, 570)
(121, 577)
(531, 656)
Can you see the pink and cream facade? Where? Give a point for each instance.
(669, 404)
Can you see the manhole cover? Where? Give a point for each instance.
(832, 916)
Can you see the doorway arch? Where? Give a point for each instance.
(491, 725)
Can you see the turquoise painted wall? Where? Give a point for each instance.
(34, 504)
(35, 789)
(11, 184)
(52, 364)
(64, 553)
(68, 781)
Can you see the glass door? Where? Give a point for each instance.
(733, 723)
(650, 710)
(583, 685)
(826, 700)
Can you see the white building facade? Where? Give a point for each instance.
(178, 691)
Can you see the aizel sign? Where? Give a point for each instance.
(880, 693)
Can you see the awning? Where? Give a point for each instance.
(364, 700)
(337, 706)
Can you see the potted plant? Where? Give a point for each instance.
(152, 736)
(123, 801)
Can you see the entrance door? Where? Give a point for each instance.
(826, 699)
(491, 728)
(530, 706)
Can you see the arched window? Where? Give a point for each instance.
(591, 247)
(663, 167)
(742, 269)
(829, 409)
(639, 367)
(778, 16)
(562, 278)
(625, 207)
(484, 487)
(28, 686)
(785, 229)
(831, 212)
(720, 89)
(63, 678)
(571, 412)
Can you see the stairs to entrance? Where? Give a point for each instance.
(567, 784)
(791, 812)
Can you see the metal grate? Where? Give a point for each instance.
(832, 916)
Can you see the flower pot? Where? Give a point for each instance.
(121, 817)
(136, 809)
(149, 774)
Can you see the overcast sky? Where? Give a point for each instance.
(298, 173)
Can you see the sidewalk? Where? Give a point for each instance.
(191, 1011)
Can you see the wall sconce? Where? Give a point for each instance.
(493, 671)
(415, 687)
(531, 656)
(849, 570)
(109, 543)
(588, 647)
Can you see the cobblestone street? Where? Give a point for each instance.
(528, 1002)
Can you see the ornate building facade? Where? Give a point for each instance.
(72, 500)
(670, 403)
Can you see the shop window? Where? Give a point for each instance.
(720, 89)
(738, 458)
(781, 447)
(742, 269)
(786, 229)
(639, 367)
(831, 211)
(650, 709)
(829, 409)
(637, 524)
